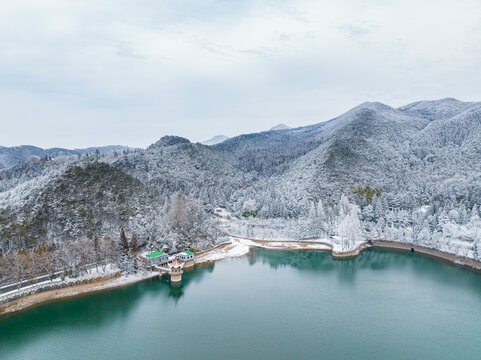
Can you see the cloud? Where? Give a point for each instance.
(94, 73)
(125, 50)
(357, 28)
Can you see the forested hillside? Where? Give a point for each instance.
(10, 156)
(409, 174)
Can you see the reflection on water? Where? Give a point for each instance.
(373, 259)
(96, 309)
(297, 295)
(190, 275)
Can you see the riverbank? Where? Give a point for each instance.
(437, 254)
(268, 295)
(98, 285)
(237, 247)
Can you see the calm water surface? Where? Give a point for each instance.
(269, 305)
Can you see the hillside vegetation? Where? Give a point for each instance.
(411, 174)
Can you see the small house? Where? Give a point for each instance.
(158, 258)
(187, 257)
(221, 212)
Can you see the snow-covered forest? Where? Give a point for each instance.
(411, 174)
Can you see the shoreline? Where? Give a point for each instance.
(100, 285)
(448, 258)
(236, 247)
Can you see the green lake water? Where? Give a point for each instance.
(268, 305)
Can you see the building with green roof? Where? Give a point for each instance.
(154, 254)
(155, 258)
(187, 257)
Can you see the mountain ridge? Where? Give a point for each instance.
(280, 127)
(215, 140)
(426, 154)
(10, 156)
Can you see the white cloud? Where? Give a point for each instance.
(98, 72)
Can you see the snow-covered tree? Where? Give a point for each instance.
(348, 226)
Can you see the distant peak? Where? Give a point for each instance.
(170, 140)
(368, 106)
(373, 105)
(436, 109)
(215, 140)
(431, 103)
(280, 127)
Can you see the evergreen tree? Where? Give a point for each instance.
(313, 222)
(368, 213)
(476, 251)
(123, 241)
(124, 252)
(463, 215)
(424, 236)
(321, 214)
(475, 219)
(443, 220)
(133, 249)
(97, 251)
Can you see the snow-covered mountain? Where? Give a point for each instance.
(215, 140)
(279, 127)
(388, 161)
(437, 109)
(221, 138)
(175, 164)
(10, 156)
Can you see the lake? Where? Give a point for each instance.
(267, 305)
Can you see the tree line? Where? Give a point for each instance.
(72, 259)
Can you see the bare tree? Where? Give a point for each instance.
(17, 264)
(108, 252)
(47, 260)
(177, 214)
(134, 247)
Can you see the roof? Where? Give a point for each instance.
(155, 254)
(189, 252)
(176, 263)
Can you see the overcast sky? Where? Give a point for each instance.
(87, 73)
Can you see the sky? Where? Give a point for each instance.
(89, 73)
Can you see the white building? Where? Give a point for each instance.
(187, 257)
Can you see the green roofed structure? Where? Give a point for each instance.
(154, 254)
(187, 257)
(154, 258)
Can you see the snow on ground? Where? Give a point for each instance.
(19, 193)
(227, 250)
(110, 270)
(285, 244)
(27, 289)
(36, 298)
(238, 246)
(337, 246)
(128, 279)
